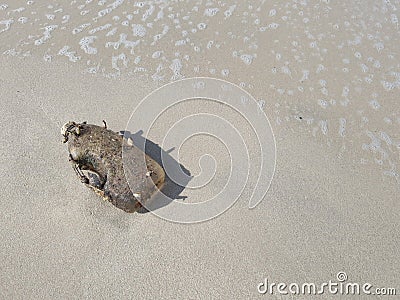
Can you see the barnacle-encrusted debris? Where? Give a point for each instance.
(99, 151)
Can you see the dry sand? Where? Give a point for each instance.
(333, 204)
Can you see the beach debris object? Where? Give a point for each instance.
(109, 160)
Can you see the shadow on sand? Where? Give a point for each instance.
(171, 188)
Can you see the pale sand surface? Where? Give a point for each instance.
(321, 216)
(333, 204)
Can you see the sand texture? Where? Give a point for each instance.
(325, 73)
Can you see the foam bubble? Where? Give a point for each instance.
(85, 44)
(324, 91)
(7, 24)
(211, 12)
(320, 68)
(286, 70)
(46, 34)
(138, 30)
(247, 58)
(323, 103)
(156, 54)
(324, 126)
(228, 13)
(180, 42)
(22, 20)
(225, 72)
(386, 138)
(374, 104)
(100, 28)
(379, 46)
(80, 28)
(176, 66)
(116, 58)
(202, 26)
(273, 25)
(70, 54)
(137, 60)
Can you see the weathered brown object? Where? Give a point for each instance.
(99, 151)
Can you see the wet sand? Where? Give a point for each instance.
(332, 205)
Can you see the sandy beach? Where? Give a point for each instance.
(325, 74)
